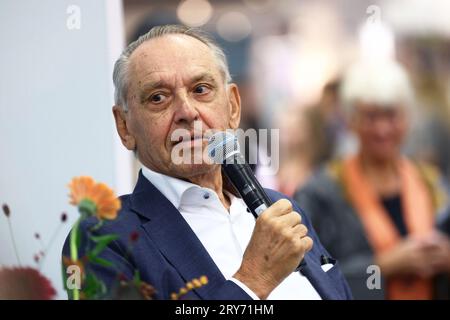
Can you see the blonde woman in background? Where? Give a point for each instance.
(378, 207)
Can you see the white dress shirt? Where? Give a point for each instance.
(225, 235)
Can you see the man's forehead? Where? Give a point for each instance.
(168, 48)
(159, 56)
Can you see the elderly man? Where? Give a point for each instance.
(190, 221)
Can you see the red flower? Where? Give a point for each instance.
(134, 236)
(6, 210)
(122, 277)
(25, 284)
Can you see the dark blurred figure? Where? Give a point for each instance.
(309, 137)
(329, 116)
(428, 60)
(443, 222)
(302, 148)
(378, 207)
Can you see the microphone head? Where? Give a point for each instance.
(221, 146)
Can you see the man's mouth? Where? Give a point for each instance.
(192, 140)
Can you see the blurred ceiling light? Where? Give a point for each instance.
(376, 41)
(234, 26)
(310, 73)
(418, 16)
(259, 5)
(194, 13)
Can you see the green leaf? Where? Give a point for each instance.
(87, 207)
(100, 261)
(97, 226)
(94, 288)
(106, 237)
(102, 243)
(137, 277)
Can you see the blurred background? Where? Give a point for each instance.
(287, 57)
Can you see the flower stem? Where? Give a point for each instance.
(14, 242)
(74, 252)
(46, 248)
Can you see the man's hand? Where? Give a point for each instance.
(278, 244)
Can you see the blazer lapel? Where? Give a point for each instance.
(174, 237)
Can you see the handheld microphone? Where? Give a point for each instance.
(223, 148)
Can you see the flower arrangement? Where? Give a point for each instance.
(98, 200)
(26, 282)
(93, 200)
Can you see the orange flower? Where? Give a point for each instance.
(191, 285)
(93, 198)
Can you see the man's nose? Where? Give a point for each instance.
(185, 111)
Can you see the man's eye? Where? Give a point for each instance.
(202, 89)
(157, 98)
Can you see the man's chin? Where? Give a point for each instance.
(191, 170)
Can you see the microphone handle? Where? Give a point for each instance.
(253, 194)
(259, 188)
(243, 179)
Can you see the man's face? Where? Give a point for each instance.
(175, 81)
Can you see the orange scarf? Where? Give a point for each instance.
(381, 231)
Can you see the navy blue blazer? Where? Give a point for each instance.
(168, 254)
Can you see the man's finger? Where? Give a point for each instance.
(307, 243)
(291, 219)
(281, 207)
(300, 230)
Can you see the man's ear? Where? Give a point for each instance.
(234, 101)
(122, 129)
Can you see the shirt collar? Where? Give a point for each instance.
(172, 188)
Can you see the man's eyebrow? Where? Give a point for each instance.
(153, 85)
(150, 86)
(162, 84)
(204, 77)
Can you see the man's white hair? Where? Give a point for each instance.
(121, 67)
(384, 84)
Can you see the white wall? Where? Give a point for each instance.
(55, 117)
